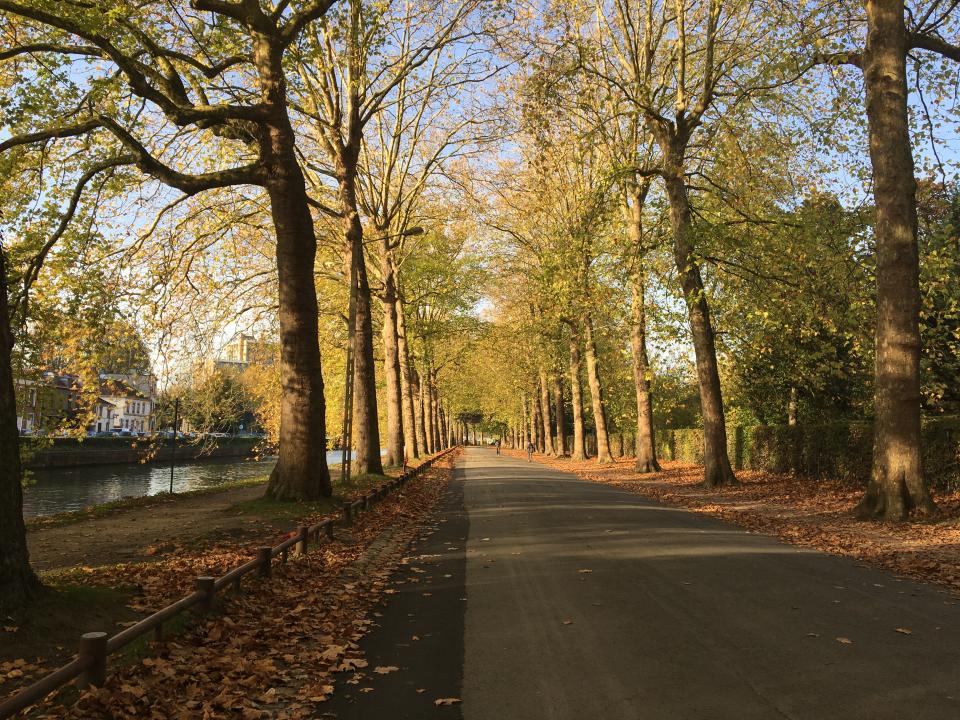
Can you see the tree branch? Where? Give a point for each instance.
(934, 44)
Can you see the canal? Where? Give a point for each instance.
(64, 489)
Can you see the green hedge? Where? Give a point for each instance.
(839, 450)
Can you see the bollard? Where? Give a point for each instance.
(264, 557)
(304, 535)
(205, 585)
(347, 514)
(93, 645)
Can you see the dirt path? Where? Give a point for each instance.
(135, 534)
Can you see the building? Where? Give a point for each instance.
(54, 402)
(28, 405)
(124, 407)
(243, 351)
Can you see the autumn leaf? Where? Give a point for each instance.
(385, 669)
(844, 641)
(446, 701)
(904, 631)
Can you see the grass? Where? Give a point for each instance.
(286, 513)
(50, 626)
(128, 503)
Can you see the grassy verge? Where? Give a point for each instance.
(51, 625)
(128, 503)
(285, 514)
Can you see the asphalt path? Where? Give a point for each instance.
(539, 596)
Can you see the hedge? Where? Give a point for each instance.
(840, 450)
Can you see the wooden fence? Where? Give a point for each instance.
(90, 665)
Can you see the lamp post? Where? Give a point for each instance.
(173, 440)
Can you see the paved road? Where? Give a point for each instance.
(539, 596)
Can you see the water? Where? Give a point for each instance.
(63, 489)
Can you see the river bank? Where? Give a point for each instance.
(47, 453)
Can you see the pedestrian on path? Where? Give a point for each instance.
(529, 452)
(497, 443)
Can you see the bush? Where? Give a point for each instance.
(840, 450)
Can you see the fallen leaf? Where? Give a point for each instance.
(446, 701)
(568, 622)
(584, 571)
(845, 641)
(385, 669)
(905, 631)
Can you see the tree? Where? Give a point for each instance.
(155, 56)
(358, 65)
(897, 485)
(18, 583)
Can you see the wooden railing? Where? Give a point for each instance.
(90, 665)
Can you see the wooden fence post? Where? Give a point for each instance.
(347, 514)
(302, 545)
(93, 645)
(264, 557)
(205, 585)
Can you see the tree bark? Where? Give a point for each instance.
(444, 437)
(301, 472)
(560, 416)
(411, 444)
(391, 359)
(545, 412)
(537, 417)
(416, 389)
(596, 394)
(717, 469)
(897, 484)
(644, 441)
(435, 412)
(792, 407)
(366, 421)
(18, 583)
(426, 411)
(579, 450)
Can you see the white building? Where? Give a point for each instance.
(130, 409)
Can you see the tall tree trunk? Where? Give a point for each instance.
(366, 421)
(537, 416)
(579, 450)
(301, 472)
(560, 415)
(792, 407)
(596, 394)
(391, 359)
(897, 485)
(526, 422)
(18, 584)
(416, 389)
(717, 469)
(644, 442)
(545, 412)
(411, 446)
(444, 438)
(426, 410)
(434, 411)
